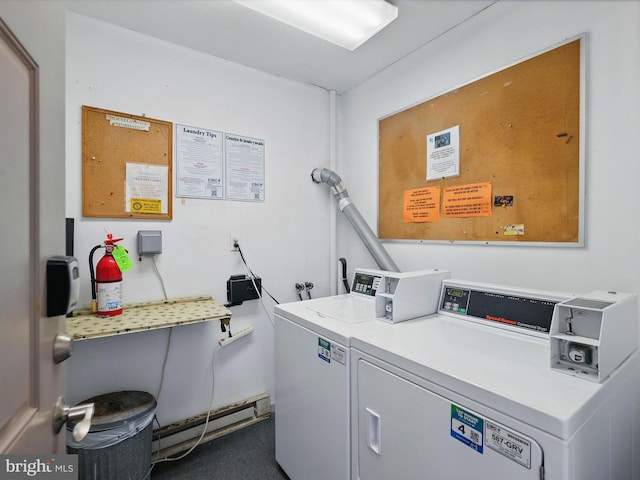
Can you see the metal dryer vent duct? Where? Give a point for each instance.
(371, 241)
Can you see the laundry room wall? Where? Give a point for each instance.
(285, 239)
(499, 36)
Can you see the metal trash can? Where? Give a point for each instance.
(118, 445)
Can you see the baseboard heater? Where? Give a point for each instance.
(181, 436)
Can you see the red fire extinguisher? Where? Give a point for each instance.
(106, 283)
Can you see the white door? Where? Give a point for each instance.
(30, 382)
(407, 432)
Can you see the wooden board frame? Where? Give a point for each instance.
(521, 129)
(107, 148)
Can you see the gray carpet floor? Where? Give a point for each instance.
(247, 454)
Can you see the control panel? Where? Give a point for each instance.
(366, 283)
(525, 311)
(589, 336)
(455, 299)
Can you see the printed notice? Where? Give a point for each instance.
(124, 122)
(147, 188)
(472, 200)
(443, 153)
(467, 428)
(514, 229)
(122, 259)
(508, 443)
(328, 351)
(324, 350)
(244, 167)
(145, 205)
(199, 166)
(421, 205)
(338, 354)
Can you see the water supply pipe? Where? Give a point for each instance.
(370, 240)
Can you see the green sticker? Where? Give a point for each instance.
(121, 257)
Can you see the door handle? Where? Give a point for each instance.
(62, 348)
(374, 441)
(82, 414)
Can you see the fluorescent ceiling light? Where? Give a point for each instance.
(347, 23)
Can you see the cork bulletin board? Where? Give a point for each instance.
(126, 165)
(518, 178)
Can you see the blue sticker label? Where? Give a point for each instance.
(467, 428)
(324, 350)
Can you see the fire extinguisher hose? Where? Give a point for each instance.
(94, 303)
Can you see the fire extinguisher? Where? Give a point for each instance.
(106, 282)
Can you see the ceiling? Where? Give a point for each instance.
(233, 32)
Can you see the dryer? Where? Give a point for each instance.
(476, 392)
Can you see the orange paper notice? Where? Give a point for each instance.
(422, 205)
(472, 200)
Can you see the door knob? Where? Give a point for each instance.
(62, 348)
(81, 414)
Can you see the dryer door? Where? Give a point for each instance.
(406, 431)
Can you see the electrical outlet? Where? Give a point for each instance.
(233, 239)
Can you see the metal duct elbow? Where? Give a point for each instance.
(331, 178)
(370, 240)
(324, 175)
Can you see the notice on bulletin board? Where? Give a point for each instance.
(422, 205)
(199, 164)
(147, 189)
(443, 154)
(244, 160)
(472, 200)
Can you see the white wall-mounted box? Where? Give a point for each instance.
(591, 335)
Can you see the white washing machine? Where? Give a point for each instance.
(475, 392)
(312, 365)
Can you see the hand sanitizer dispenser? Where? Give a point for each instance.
(63, 285)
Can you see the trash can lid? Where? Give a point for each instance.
(112, 410)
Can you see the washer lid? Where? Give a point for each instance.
(346, 309)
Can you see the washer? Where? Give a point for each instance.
(312, 367)
(469, 393)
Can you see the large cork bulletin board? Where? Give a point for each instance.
(118, 148)
(519, 139)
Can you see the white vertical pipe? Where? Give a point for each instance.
(333, 216)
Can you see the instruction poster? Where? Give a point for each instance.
(443, 154)
(422, 205)
(471, 200)
(199, 164)
(147, 188)
(244, 157)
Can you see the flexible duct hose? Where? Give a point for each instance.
(370, 240)
(343, 262)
